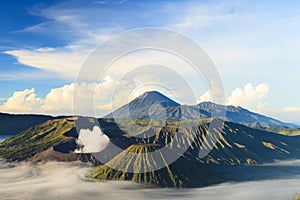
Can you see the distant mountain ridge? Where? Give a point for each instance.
(11, 124)
(140, 106)
(243, 116)
(155, 105)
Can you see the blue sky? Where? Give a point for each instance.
(254, 45)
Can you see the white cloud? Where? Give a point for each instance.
(240, 39)
(22, 101)
(81, 98)
(288, 114)
(59, 100)
(63, 61)
(252, 97)
(214, 94)
(98, 99)
(260, 107)
(87, 99)
(206, 97)
(27, 76)
(249, 96)
(55, 180)
(291, 109)
(65, 21)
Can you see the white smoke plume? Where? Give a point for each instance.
(91, 141)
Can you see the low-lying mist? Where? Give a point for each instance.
(68, 181)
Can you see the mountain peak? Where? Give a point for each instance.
(151, 94)
(141, 106)
(155, 97)
(153, 104)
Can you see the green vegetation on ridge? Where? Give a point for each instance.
(137, 164)
(36, 139)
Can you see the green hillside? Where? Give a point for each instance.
(237, 145)
(187, 171)
(240, 144)
(36, 139)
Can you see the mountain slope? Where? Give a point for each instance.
(237, 145)
(55, 140)
(187, 171)
(150, 103)
(36, 139)
(242, 116)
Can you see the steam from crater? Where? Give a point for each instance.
(91, 141)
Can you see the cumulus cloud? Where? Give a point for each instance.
(59, 99)
(77, 97)
(92, 141)
(249, 95)
(207, 96)
(252, 97)
(88, 99)
(23, 101)
(100, 98)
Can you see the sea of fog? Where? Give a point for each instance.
(68, 181)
